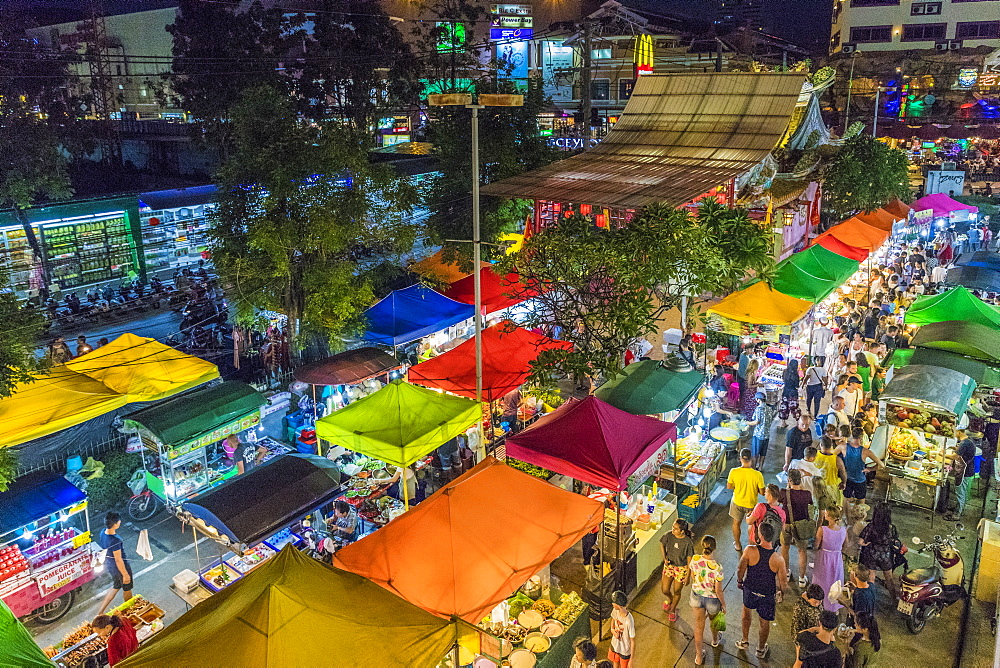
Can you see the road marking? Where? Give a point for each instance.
(167, 558)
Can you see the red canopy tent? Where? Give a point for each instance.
(507, 357)
(835, 245)
(880, 219)
(473, 542)
(592, 441)
(498, 292)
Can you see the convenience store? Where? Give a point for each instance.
(82, 243)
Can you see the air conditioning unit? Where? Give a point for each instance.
(848, 48)
(954, 44)
(941, 46)
(930, 8)
(918, 8)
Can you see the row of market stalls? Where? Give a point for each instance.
(46, 549)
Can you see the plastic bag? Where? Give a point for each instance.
(719, 622)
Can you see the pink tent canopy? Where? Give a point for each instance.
(941, 204)
(592, 441)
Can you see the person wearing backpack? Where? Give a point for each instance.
(769, 512)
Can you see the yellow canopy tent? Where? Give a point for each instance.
(144, 369)
(129, 369)
(52, 403)
(760, 305)
(296, 611)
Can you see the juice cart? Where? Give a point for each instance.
(45, 552)
(183, 438)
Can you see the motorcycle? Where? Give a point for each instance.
(926, 592)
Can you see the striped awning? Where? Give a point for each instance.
(679, 136)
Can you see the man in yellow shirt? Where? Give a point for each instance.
(747, 484)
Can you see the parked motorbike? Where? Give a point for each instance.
(926, 592)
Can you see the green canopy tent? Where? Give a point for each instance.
(280, 613)
(813, 273)
(964, 338)
(650, 387)
(985, 375)
(955, 304)
(400, 423)
(17, 648)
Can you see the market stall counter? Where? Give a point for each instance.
(253, 516)
(524, 631)
(45, 539)
(84, 647)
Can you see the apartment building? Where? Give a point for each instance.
(895, 25)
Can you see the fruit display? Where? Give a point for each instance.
(921, 420)
(691, 501)
(902, 445)
(220, 577)
(12, 562)
(569, 608)
(251, 558)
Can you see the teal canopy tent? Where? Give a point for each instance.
(650, 387)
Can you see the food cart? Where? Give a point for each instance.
(183, 438)
(253, 516)
(921, 408)
(45, 552)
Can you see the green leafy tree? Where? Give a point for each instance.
(305, 224)
(864, 175)
(8, 468)
(602, 288)
(356, 65)
(33, 108)
(221, 49)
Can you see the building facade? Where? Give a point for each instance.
(896, 25)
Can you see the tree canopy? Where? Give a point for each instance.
(864, 175)
(304, 223)
(603, 288)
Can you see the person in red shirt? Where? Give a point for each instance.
(119, 635)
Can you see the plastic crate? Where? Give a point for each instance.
(692, 514)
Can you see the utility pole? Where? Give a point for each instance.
(586, 104)
(101, 86)
(850, 87)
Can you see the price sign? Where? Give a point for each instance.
(55, 578)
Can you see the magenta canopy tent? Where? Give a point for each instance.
(942, 205)
(592, 441)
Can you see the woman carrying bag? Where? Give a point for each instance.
(797, 502)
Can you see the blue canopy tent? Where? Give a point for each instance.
(34, 496)
(412, 313)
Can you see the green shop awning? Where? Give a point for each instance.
(813, 273)
(650, 387)
(985, 375)
(400, 423)
(197, 413)
(964, 338)
(955, 304)
(944, 390)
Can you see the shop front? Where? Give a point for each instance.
(82, 243)
(45, 553)
(183, 439)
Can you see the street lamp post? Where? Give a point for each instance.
(878, 90)
(485, 100)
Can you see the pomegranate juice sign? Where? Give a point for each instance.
(60, 576)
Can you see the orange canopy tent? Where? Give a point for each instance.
(498, 292)
(880, 219)
(507, 357)
(856, 232)
(473, 542)
(435, 268)
(898, 209)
